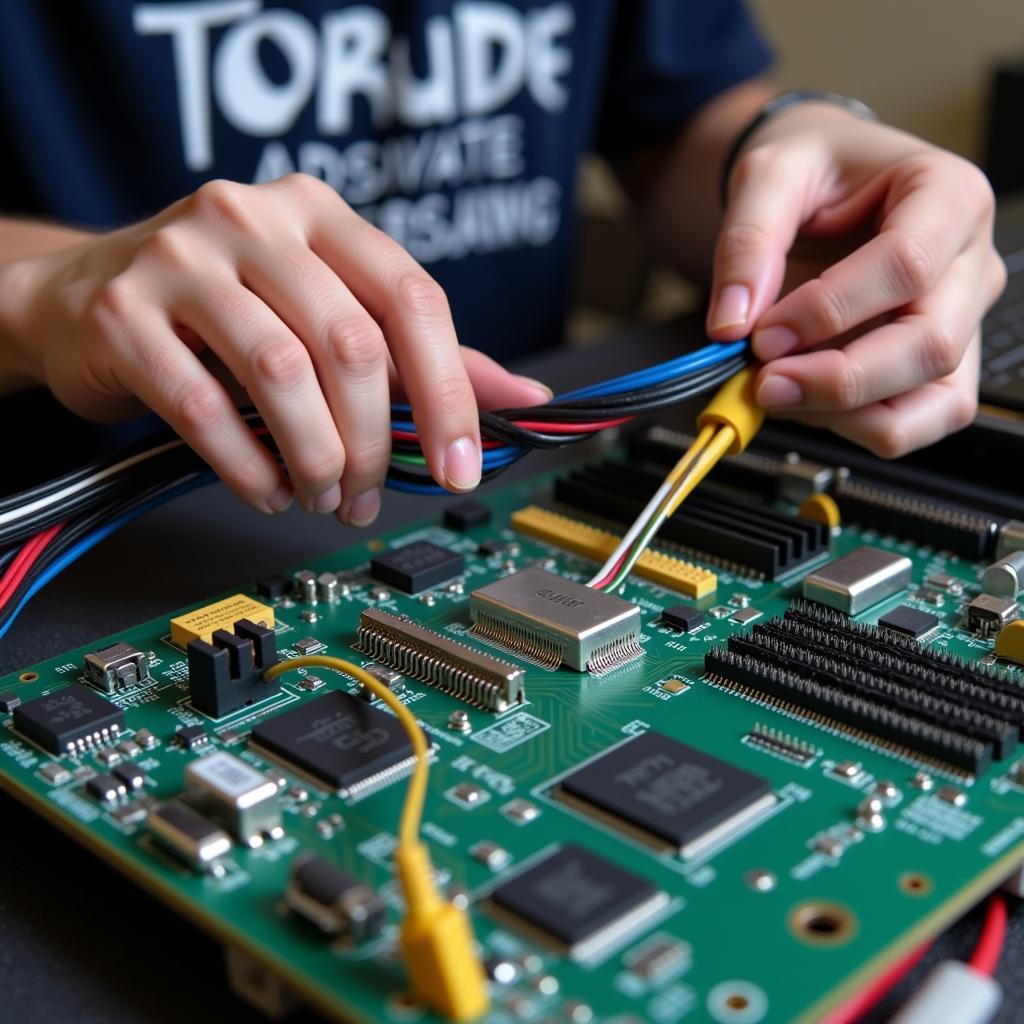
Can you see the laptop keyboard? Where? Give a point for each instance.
(1002, 359)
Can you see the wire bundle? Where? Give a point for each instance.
(509, 434)
(47, 527)
(726, 426)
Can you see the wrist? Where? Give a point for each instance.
(26, 290)
(782, 107)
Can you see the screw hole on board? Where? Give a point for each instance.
(913, 883)
(823, 924)
(28, 677)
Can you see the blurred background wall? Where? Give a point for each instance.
(924, 65)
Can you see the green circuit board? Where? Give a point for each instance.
(778, 921)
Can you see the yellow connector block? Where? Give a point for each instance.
(1010, 642)
(589, 541)
(201, 623)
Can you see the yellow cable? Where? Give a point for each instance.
(436, 938)
(719, 446)
(412, 809)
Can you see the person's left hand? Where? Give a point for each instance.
(879, 340)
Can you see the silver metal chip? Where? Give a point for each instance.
(551, 621)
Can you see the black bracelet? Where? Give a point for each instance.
(781, 102)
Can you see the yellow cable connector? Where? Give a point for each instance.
(591, 542)
(436, 937)
(735, 406)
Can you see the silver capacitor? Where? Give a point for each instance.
(1005, 578)
(305, 586)
(327, 586)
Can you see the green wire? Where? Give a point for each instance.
(410, 460)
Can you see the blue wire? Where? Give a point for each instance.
(88, 542)
(691, 362)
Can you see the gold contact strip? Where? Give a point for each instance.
(591, 542)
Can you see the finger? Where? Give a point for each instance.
(919, 238)
(768, 197)
(174, 384)
(413, 313)
(350, 358)
(496, 388)
(914, 419)
(923, 345)
(277, 372)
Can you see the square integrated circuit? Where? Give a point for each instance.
(583, 904)
(667, 793)
(339, 742)
(69, 721)
(416, 566)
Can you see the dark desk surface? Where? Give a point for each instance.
(78, 942)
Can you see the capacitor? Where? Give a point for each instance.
(327, 586)
(305, 586)
(1005, 578)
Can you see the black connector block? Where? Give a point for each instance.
(228, 674)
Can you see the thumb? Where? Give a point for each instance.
(764, 213)
(496, 387)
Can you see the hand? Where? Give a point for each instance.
(312, 310)
(877, 336)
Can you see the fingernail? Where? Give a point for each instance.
(774, 342)
(462, 464)
(779, 393)
(280, 499)
(329, 500)
(731, 307)
(365, 507)
(545, 392)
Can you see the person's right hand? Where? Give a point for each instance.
(317, 315)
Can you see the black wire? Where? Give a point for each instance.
(70, 535)
(181, 460)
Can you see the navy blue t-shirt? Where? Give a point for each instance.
(455, 125)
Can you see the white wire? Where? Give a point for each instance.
(641, 520)
(632, 534)
(86, 482)
(99, 476)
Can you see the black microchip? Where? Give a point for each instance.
(130, 774)
(76, 717)
(665, 788)
(416, 566)
(338, 739)
(682, 617)
(8, 702)
(191, 737)
(466, 515)
(491, 547)
(274, 586)
(105, 787)
(573, 895)
(909, 621)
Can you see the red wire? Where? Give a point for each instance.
(993, 935)
(572, 428)
(24, 560)
(408, 435)
(859, 1004)
(610, 574)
